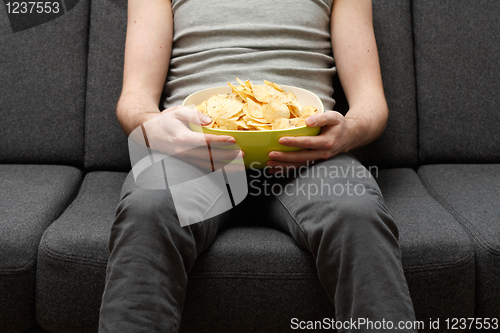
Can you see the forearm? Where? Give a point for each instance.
(134, 109)
(366, 120)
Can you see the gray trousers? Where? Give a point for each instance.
(334, 209)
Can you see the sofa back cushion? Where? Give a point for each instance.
(42, 89)
(106, 145)
(105, 142)
(457, 47)
(397, 147)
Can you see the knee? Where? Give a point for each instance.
(145, 206)
(144, 214)
(352, 220)
(365, 214)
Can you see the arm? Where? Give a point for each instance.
(356, 58)
(147, 56)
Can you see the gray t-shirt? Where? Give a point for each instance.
(284, 41)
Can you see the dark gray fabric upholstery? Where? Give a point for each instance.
(44, 69)
(397, 147)
(105, 142)
(456, 58)
(72, 257)
(438, 256)
(250, 270)
(5, 27)
(31, 197)
(472, 195)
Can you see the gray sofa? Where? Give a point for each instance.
(63, 158)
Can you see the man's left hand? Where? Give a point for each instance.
(333, 139)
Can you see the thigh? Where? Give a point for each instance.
(336, 194)
(148, 212)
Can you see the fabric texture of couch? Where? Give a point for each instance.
(63, 158)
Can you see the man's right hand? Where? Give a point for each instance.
(168, 133)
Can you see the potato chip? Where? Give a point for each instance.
(275, 110)
(227, 123)
(260, 93)
(274, 85)
(281, 123)
(255, 110)
(246, 84)
(308, 111)
(202, 107)
(255, 107)
(297, 122)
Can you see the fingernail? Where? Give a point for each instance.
(231, 140)
(284, 141)
(273, 155)
(311, 121)
(206, 120)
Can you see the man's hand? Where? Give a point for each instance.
(333, 139)
(169, 133)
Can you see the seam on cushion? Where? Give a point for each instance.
(16, 277)
(72, 259)
(17, 271)
(448, 265)
(264, 276)
(469, 227)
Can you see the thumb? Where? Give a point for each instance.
(195, 117)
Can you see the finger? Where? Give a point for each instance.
(299, 156)
(327, 118)
(325, 140)
(308, 142)
(219, 140)
(226, 154)
(198, 118)
(195, 117)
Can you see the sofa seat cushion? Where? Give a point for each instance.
(250, 270)
(31, 198)
(438, 256)
(72, 257)
(471, 193)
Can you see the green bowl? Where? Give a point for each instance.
(258, 144)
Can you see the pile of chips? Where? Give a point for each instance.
(255, 108)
